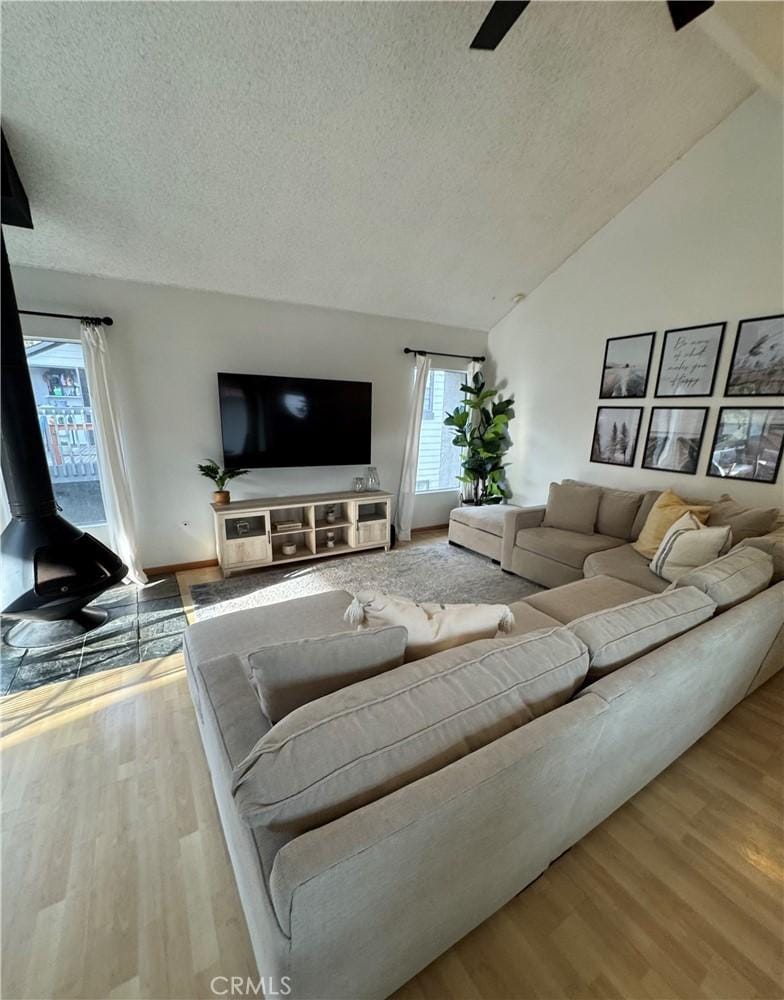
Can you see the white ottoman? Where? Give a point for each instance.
(480, 529)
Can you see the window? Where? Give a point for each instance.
(439, 460)
(65, 417)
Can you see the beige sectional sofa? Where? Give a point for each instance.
(377, 823)
(553, 556)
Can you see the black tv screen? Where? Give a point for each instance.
(268, 422)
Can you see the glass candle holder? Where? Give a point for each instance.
(359, 484)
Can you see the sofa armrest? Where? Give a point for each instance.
(515, 520)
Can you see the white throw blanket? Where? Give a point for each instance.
(431, 627)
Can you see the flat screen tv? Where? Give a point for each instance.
(268, 422)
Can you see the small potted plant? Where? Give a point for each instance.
(220, 477)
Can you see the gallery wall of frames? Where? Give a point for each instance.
(749, 437)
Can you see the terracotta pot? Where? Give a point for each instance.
(221, 497)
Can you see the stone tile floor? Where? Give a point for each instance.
(145, 623)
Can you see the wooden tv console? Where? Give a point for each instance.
(247, 535)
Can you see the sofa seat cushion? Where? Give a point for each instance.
(733, 578)
(567, 547)
(529, 619)
(244, 632)
(617, 636)
(358, 744)
(488, 517)
(584, 597)
(623, 563)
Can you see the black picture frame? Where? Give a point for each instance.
(689, 329)
(595, 441)
(631, 336)
(738, 333)
(697, 451)
(746, 479)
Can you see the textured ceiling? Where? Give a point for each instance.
(355, 155)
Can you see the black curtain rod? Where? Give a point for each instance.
(442, 354)
(106, 320)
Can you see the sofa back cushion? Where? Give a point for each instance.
(619, 635)
(733, 578)
(572, 507)
(663, 514)
(289, 674)
(336, 754)
(773, 544)
(617, 511)
(744, 522)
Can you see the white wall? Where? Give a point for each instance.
(167, 345)
(701, 245)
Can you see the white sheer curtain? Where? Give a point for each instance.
(407, 493)
(114, 474)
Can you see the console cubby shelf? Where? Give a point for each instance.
(246, 536)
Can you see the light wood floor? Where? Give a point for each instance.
(116, 880)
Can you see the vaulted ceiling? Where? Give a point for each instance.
(354, 155)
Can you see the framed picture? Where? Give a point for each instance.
(747, 443)
(615, 434)
(688, 360)
(757, 366)
(675, 438)
(627, 364)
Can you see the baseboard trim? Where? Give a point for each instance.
(206, 563)
(180, 567)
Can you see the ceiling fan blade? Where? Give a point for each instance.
(500, 18)
(683, 12)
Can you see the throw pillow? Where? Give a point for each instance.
(431, 627)
(336, 754)
(687, 545)
(664, 513)
(289, 674)
(572, 507)
(746, 522)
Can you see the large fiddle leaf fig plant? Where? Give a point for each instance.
(481, 425)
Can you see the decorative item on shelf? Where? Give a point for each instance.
(482, 431)
(330, 539)
(358, 484)
(331, 515)
(373, 482)
(220, 477)
(289, 548)
(288, 525)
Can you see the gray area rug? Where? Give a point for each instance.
(435, 571)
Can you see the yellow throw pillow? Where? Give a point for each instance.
(664, 513)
